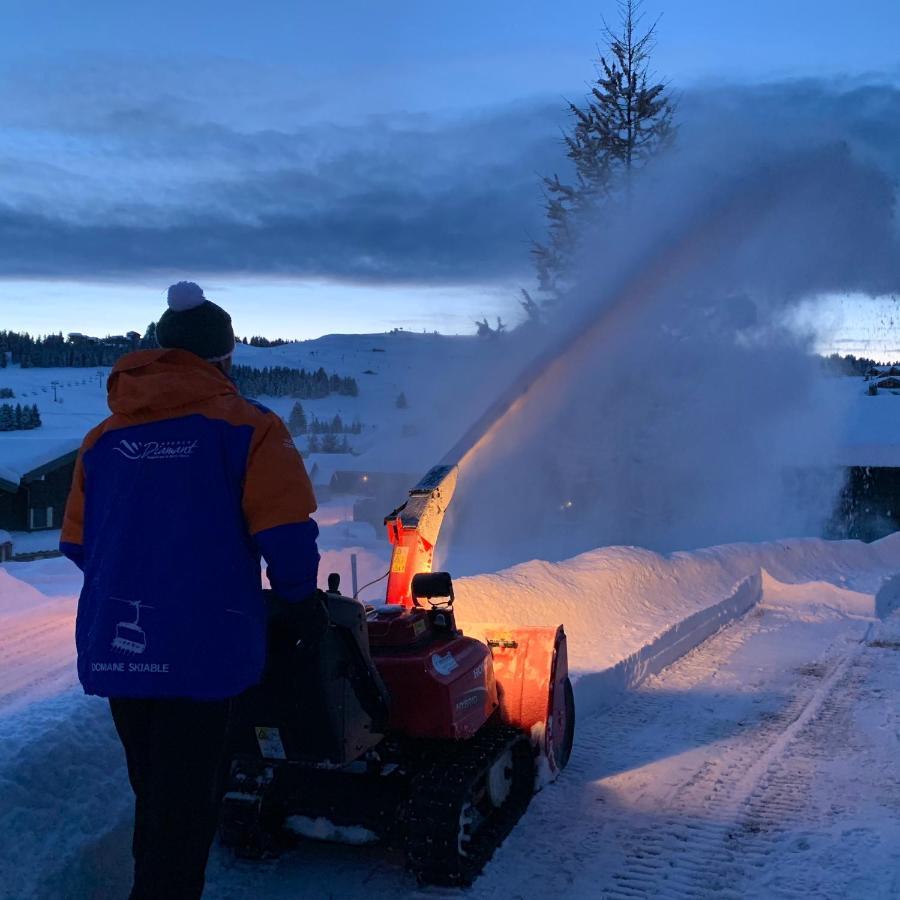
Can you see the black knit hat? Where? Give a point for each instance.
(194, 323)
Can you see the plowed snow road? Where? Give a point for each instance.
(763, 764)
(36, 654)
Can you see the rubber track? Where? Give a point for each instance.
(439, 794)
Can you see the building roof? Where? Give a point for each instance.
(870, 434)
(28, 455)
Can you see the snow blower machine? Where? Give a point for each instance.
(393, 725)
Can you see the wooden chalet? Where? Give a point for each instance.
(34, 498)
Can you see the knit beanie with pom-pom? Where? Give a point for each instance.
(194, 323)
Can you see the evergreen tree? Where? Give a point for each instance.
(281, 381)
(35, 416)
(401, 402)
(329, 443)
(297, 421)
(626, 121)
(314, 446)
(149, 340)
(485, 330)
(7, 417)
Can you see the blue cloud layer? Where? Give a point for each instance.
(102, 177)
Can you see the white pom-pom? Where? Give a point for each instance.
(185, 295)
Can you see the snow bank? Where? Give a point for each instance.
(17, 596)
(629, 612)
(325, 830)
(53, 577)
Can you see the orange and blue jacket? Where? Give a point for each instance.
(175, 498)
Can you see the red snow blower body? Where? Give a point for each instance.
(397, 724)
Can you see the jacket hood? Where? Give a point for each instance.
(150, 380)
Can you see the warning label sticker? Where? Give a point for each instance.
(269, 740)
(398, 560)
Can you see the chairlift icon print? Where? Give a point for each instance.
(130, 637)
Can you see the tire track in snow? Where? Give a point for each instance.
(843, 772)
(38, 655)
(755, 799)
(694, 857)
(690, 788)
(685, 790)
(577, 832)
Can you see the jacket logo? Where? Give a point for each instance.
(156, 449)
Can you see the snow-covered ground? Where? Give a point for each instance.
(759, 764)
(447, 381)
(432, 371)
(738, 725)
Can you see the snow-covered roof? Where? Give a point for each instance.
(5, 537)
(321, 466)
(870, 433)
(23, 452)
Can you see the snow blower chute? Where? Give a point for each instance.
(395, 725)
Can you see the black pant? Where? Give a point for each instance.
(175, 753)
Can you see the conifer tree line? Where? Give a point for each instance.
(6, 394)
(280, 381)
(18, 417)
(83, 351)
(298, 424)
(57, 351)
(149, 340)
(328, 443)
(80, 351)
(627, 120)
(260, 341)
(835, 364)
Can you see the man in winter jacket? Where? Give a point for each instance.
(175, 498)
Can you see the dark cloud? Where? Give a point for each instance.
(406, 200)
(392, 236)
(127, 182)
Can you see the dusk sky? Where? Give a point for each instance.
(354, 166)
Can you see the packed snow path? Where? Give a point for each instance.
(762, 764)
(36, 654)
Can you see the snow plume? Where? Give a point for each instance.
(675, 406)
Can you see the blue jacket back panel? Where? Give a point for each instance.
(175, 498)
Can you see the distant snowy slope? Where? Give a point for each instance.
(447, 381)
(80, 404)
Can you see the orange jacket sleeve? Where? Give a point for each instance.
(73, 519)
(277, 490)
(71, 541)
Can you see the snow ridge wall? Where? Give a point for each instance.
(629, 612)
(598, 690)
(887, 600)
